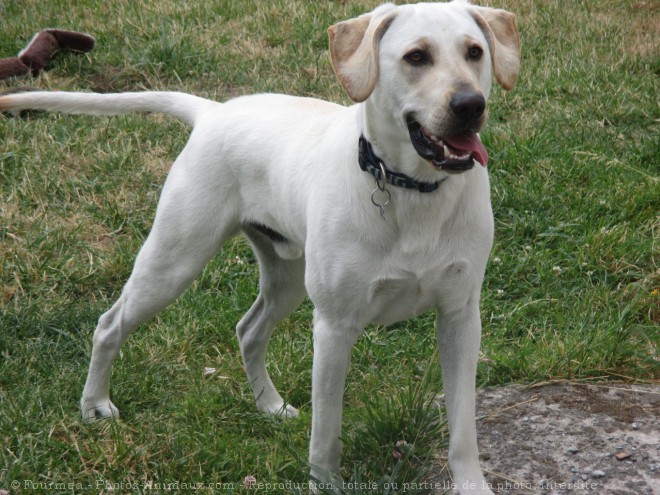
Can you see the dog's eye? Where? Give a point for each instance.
(417, 57)
(475, 52)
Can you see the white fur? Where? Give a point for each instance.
(291, 164)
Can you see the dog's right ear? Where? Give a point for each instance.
(354, 50)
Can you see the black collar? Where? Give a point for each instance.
(369, 162)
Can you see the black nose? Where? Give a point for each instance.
(468, 106)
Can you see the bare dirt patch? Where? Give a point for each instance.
(569, 438)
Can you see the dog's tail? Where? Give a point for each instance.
(182, 106)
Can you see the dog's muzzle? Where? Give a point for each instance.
(457, 152)
(450, 153)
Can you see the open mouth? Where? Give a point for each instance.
(455, 153)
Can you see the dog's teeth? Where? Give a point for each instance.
(430, 136)
(446, 150)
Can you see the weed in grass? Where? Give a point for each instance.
(390, 445)
(401, 433)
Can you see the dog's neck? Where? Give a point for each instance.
(371, 163)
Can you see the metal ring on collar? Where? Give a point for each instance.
(384, 178)
(379, 190)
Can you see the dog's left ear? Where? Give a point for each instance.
(501, 31)
(354, 50)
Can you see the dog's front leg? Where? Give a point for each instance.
(459, 336)
(332, 352)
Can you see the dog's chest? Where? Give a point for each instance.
(398, 295)
(395, 299)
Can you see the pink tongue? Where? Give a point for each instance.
(469, 142)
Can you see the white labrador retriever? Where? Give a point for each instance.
(378, 211)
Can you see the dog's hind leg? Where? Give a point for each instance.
(281, 290)
(191, 225)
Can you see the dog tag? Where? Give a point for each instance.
(381, 198)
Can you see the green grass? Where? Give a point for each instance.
(571, 291)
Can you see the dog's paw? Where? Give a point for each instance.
(99, 409)
(289, 412)
(322, 482)
(475, 491)
(282, 410)
(473, 488)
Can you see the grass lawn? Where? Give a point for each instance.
(572, 290)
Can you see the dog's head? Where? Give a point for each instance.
(429, 67)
